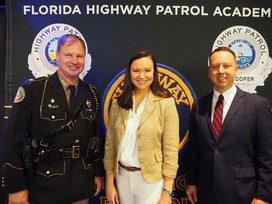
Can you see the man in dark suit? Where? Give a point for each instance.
(229, 162)
(66, 166)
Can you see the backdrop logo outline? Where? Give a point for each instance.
(42, 60)
(172, 80)
(252, 54)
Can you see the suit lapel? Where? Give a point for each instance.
(125, 115)
(208, 106)
(237, 101)
(148, 109)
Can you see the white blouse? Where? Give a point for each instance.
(129, 147)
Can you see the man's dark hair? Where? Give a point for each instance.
(222, 48)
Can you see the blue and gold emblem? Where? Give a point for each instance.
(20, 95)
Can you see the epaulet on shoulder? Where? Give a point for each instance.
(30, 81)
(26, 82)
(39, 79)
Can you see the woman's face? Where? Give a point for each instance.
(142, 73)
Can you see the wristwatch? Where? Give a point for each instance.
(171, 193)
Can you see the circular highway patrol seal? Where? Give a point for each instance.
(171, 80)
(42, 59)
(252, 55)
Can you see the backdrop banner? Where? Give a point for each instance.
(181, 34)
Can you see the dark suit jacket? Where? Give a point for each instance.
(44, 109)
(237, 167)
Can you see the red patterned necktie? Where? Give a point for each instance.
(217, 116)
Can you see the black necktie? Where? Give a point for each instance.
(72, 100)
(218, 116)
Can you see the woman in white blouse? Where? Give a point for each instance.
(141, 149)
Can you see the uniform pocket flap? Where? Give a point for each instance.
(244, 172)
(51, 169)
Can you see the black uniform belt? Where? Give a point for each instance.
(129, 168)
(73, 152)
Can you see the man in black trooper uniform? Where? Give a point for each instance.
(51, 151)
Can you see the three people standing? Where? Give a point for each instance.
(229, 160)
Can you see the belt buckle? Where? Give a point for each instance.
(70, 125)
(75, 151)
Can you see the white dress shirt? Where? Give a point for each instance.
(129, 148)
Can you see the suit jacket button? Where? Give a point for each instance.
(216, 151)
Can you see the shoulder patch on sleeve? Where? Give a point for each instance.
(20, 95)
